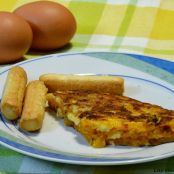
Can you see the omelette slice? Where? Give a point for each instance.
(109, 119)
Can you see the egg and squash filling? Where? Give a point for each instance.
(109, 119)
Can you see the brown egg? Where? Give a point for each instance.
(53, 25)
(15, 37)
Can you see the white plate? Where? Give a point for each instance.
(145, 79)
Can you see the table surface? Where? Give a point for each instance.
(143, 27)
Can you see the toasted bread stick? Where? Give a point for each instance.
(103, 83)
(14, 89)
(34, 106)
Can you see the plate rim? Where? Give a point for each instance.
(8, 66)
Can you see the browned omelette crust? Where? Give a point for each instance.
(111, 119)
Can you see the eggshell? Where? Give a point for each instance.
(53, 25)
(15, 37)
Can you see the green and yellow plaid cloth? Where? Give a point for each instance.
(130, 26)
(133, 26)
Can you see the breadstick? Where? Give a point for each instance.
(11, 104)
(34, 106)
(103, 83)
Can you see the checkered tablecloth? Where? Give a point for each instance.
(130, 26)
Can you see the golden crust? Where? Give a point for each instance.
(34, 106)
(108, 84)
(12, 100)
(112, 119)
